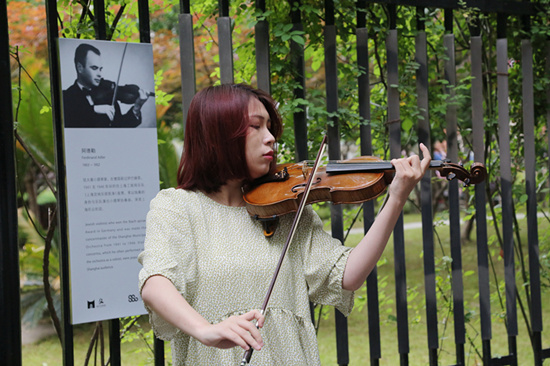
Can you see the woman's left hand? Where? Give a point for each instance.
(408, 172)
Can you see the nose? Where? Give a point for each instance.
(269, 139)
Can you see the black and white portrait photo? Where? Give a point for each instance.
(107, 84)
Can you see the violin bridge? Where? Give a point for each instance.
(305, 170)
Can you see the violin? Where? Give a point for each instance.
(104, 93)
(354, 180)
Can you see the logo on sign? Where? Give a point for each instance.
(92, 303)
(132, 298)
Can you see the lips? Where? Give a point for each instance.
(268, 155)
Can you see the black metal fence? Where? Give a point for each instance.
(9, 281)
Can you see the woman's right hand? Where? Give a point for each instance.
(237, 330)
(160, 295)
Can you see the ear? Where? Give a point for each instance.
(79, 67)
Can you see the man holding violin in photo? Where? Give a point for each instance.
(93, 101)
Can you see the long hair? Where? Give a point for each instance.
(215, 136)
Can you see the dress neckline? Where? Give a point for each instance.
(213, 202)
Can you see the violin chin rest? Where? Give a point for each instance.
(269, 224)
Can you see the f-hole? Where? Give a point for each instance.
(302, 185)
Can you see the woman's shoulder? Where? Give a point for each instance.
(172, 198)
(174, 205)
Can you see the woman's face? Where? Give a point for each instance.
(259, 141)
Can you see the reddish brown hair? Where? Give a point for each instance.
(215, 136)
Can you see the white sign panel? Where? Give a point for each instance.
(111, 156)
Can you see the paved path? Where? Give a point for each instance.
(410, 225)
(418, 225)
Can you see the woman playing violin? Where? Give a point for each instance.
(207, 264)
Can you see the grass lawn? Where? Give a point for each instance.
(48, 351)
(358, 324)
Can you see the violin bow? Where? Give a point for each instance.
(119, 72)
(248, 354)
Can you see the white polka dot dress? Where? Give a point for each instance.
(221, 263)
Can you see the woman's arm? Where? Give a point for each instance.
(161, 296)
(363, 258)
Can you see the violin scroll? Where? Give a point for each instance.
(477, 173)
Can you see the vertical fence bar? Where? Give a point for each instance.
(55, 86)
(545, 353)
(144, 37)
(261, 38)
(454, 200)
(99, 20)
(225, 42)
(363, 82)
(394, 127)
(331, 85)
(531, 191)
(336, 215)
(297, 59)
(506, 186)
(421, 58)
(10, 314)
(114, 342)
(547, 72)
(478, 134)
(187, 57)
(143, 17)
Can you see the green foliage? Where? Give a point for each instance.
(31, 260)
(134, 331)
(168, 156)
(161, 97)
(33, 118)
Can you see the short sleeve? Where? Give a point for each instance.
(325, 260)
(167, 252)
